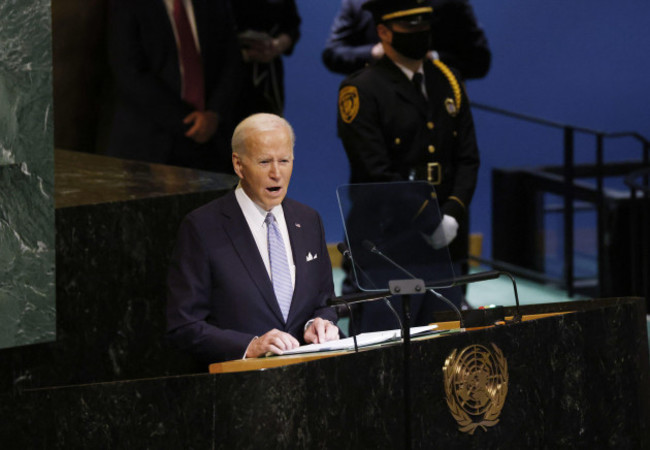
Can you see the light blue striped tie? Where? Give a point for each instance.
(280, 274)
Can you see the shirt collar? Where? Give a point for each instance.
(253, 210)
(408, 72)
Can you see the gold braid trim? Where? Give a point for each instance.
(453, 197)
(453, 82)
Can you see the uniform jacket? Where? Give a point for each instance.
(220, 295)
(392, 133)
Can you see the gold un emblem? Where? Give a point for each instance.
(476, 385)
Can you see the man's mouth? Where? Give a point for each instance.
(273, 189)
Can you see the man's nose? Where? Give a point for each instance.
(274, 172)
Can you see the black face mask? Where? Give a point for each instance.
(412, 45)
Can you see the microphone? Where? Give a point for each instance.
(458, 281)
(373, 248)
(468, 279)
(343, 250)
(351, 299)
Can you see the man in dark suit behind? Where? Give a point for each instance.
(223, 296)
(168, 112)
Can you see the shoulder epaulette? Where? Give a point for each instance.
(453, 82)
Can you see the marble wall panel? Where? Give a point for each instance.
(27, 296)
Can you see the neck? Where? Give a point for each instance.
(411, 64)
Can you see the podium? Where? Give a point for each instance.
(570, 375)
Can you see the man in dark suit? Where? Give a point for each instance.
(456, 38)
(393, 130)
(227, 296)
(177, 69)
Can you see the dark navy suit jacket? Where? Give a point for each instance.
(220, 295)
(148, 122)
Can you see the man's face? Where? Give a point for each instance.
(265, 168)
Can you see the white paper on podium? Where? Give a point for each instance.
(363, 340)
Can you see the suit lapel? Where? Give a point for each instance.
(244, 244)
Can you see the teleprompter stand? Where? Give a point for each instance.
(406, 288)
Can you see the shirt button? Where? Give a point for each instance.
(398, 141)
(430, 125)
(431, 149)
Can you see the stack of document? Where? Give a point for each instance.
(363, 340)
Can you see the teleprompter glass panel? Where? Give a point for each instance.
(389, 229)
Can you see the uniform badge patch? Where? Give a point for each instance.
(348, 103)
(451, 107)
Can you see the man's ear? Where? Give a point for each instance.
(237, 165)
(384, 33)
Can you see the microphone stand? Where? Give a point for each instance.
(405, 288)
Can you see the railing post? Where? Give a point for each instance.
(568, 209)
(600, 215)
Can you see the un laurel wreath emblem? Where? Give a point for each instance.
(476, 385)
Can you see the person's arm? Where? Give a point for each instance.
(189, 287)
(224, 52)
(459, 39)
(287, 32)
(466, 161)
(351, 40)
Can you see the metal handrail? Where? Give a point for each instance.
(569, 179)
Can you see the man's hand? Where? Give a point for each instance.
(266, 51)
(320, 331)
(274, 341)
(204, 125)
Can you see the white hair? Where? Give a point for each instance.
(258, 122)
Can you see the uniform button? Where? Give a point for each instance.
(430, 125)
(398, 141)
(431, 149)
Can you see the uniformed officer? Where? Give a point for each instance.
(408, 118)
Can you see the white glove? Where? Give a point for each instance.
(445, 233)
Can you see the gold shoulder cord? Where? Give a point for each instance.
(453, 82)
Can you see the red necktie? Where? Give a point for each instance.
(192, 67)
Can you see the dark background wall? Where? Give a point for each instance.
(582, 62)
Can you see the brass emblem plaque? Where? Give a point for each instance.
(476, 385)
(451, 107)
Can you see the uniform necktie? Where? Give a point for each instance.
(193, 91)
(417, 83)
(280, 274)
